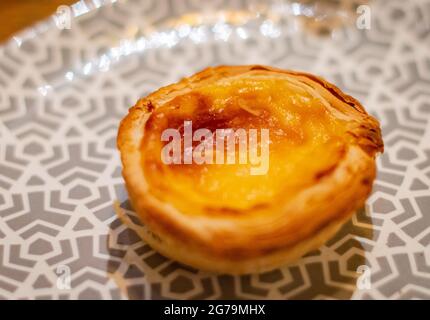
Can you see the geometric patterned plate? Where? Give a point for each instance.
(67, 230)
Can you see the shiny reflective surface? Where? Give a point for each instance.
(271, 20)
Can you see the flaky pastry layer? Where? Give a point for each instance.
(322, 165)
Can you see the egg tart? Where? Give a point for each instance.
(310, 171)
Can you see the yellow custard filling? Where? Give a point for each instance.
(305, 142)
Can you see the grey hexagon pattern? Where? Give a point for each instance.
(62, 198)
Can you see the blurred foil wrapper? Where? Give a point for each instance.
(319, 17)
(322, 17)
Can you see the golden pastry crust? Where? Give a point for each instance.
(289, 217)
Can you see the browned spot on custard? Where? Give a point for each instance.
(366, 181)
(150, 107)
(199, 109)
(323, 173)
(222, 210)
(326, 172)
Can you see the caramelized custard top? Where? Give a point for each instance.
(306, 142)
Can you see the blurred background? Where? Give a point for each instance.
(319, 14)
(18, 14)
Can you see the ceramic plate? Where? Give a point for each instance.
(67, 230)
